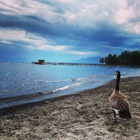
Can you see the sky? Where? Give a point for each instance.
(67, 30)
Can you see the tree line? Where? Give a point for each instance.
(125, 58)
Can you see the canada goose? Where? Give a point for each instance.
(119, 102)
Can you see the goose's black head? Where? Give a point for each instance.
(118, 74)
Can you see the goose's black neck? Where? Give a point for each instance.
(117, 83)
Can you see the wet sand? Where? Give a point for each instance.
(83, 116)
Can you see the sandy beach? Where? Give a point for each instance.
(83, 116)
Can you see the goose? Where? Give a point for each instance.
(119, 102)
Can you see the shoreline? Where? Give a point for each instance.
(14, 108)
(21, 100)
(82, 116)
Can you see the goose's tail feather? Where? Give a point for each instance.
(125, 114)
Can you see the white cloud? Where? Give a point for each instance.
(28, 7)
(13, 35)
(83, 53)
(82, 13)
(87, 14)
(45, 47)
(9, 36)
(34, 42)
(133, 28)
(123, 16)
(5, 42)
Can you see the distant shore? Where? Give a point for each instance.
(83, 116)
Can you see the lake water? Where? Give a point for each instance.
(17, 80)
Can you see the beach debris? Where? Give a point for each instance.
(47, 102)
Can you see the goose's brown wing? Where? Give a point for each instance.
(123, 105)
(124, 110)
(119, 103)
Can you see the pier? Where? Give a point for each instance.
(68, 64)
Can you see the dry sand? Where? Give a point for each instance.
(84, 116)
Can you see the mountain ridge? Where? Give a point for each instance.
(92, 60)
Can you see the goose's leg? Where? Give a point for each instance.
(115, 120)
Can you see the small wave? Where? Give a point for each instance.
(90, 79)
(64, 88)
(76, 79)
(57, 81)
(95, 76)
(81, 78)
(85, 78)
(97, 81)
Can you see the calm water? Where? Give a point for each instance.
(21, 79)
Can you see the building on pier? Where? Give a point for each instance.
(41, 61)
